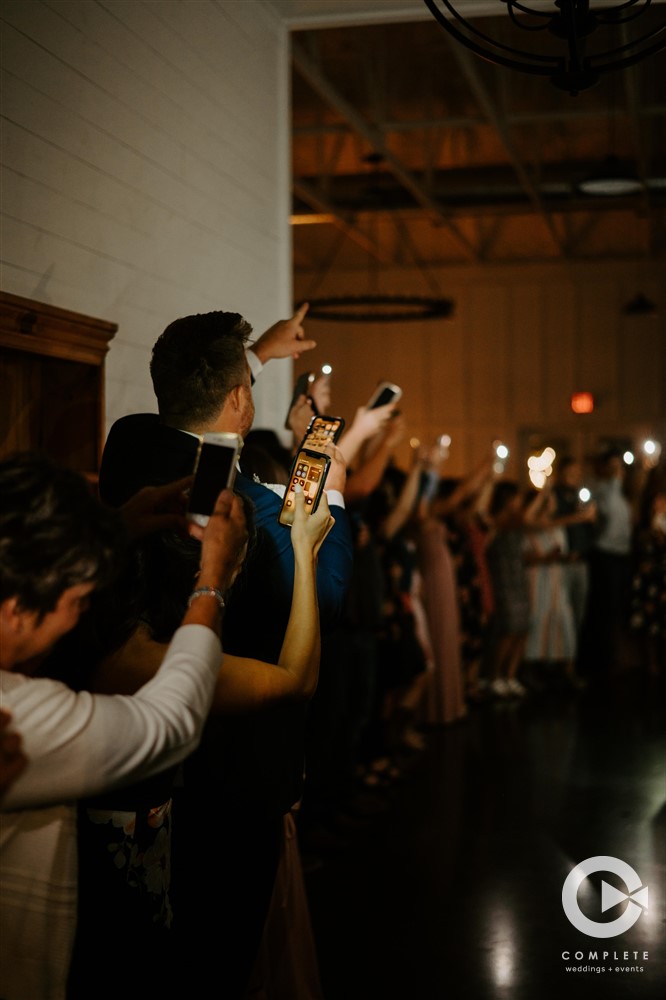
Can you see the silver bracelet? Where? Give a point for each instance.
(204, 592)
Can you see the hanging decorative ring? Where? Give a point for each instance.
(379, 308)
(573, 23)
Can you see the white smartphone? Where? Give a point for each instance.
(386, 392)
(214, 471)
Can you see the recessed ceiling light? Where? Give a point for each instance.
(612, 179)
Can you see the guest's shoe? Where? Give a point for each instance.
(515, 688)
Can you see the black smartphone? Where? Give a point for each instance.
(386, 392)
(214, 471)
(309, 471)
(301, 388)
(322, 431)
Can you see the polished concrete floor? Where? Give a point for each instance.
(456, 889)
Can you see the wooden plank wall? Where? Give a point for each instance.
(520, 341)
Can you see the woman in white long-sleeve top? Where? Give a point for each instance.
(56, 546)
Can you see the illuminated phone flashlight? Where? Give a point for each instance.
(501, 455)
(628, 458)
(326, 369)
(444, 440)
(584, 495)
(652, 452)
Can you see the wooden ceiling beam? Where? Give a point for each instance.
(374, 138)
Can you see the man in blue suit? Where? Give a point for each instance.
(248, 772)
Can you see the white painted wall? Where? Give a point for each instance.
(145, 171)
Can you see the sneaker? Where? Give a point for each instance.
(516, 688)
(500, 688)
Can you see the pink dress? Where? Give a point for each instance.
(445, 700)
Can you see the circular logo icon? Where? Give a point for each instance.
(637, 897)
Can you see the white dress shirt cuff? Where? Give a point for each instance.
(335, 498)
(253, 361)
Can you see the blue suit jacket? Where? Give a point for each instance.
(256, 760)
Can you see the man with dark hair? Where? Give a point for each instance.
(198, 364)
(248, 772)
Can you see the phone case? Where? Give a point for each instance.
(211, 475)
(394, 392)
(309, 470)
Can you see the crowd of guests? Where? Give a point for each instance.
(190, 712)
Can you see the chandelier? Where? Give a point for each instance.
(379, 308)
(577, 30)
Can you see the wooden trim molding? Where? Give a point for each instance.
(27, 325)
(52, 365)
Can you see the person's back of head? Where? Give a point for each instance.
(568, 471)
(609, 464)
(54, 534)
(195, 364)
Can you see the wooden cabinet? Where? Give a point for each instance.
(52, 382)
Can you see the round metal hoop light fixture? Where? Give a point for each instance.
(573, 23)
(379, 308)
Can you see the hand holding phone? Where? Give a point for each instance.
(308, 471)
(301, 388)
(322, 431)
(308, 531)
(386, 392)
(214, 471)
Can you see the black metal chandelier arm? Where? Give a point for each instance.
(379, 308)
(573, 70)
(612, 15)
(551, 63)
(512, 7)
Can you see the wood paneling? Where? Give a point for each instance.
(52, 376)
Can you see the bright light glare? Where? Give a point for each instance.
(628, 458)
(414, 443)
(502, 451)
(543, 462)
(584, 495)
(326, 369)
(649, 447)
(445, 440)
(537, 478)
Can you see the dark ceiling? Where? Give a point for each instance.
(408, 149)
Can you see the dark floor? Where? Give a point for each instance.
(455, 891)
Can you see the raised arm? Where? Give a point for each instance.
(368, 474)
(365, 426)
(244, 684)
(285, 339)
(79, 744)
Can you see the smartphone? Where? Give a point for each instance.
(322, 431)
(386, 392)
(309, 471)
(301, 388)
(214, 471)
